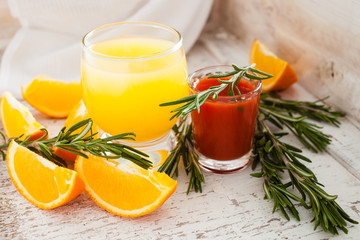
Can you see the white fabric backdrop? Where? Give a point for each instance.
(49, 41)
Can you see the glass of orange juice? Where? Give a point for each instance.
(127, 70)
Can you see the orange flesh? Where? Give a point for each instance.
(40, 181)
(38, 188)
(113, 179)
(77, 114)
(52, 98)
(267, 61)
(125, 191)
(17, 120)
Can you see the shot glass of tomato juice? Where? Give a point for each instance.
(224, 129)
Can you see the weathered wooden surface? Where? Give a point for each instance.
(230, 207)
(320, 39)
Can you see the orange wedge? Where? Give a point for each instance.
(78, 114)
(40, 181)
(123, 190)
(267, 61)
(51, 97)
(17, 120)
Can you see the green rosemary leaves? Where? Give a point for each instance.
(193, 102)
(276, 158)
(78, 143)
(184, 150)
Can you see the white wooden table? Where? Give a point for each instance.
(230, 207)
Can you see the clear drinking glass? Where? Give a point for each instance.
(224, 129)
(128, 69)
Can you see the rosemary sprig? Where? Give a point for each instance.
(276, 157)
(193, 102)
(314, 110)
(184, 150)
(281, 113)
(78, 143)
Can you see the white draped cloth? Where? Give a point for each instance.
(49, 40)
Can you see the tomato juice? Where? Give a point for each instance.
(224, 129)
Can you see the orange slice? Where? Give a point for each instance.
(121, 190)
(40, 181)
(78, 114)
(17, 120)
(267, 61)
(51, 97)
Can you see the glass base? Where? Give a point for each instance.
(224, 166)
(158, 149)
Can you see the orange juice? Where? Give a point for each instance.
(125, 79)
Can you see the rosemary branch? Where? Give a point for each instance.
(276, 157)
(78, 143)
(273, 155)
(184, 150)
(315, 110)
(280, 113)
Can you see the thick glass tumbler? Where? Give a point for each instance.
(128, 69)
(224, 129)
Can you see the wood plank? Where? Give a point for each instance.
(231, 206)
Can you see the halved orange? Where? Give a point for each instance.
(52, 97)
(41, 182)
(78, 114)
(123, 190)
(17, 120)
(267, 61)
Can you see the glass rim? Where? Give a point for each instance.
(254, 91)
(155, 55)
